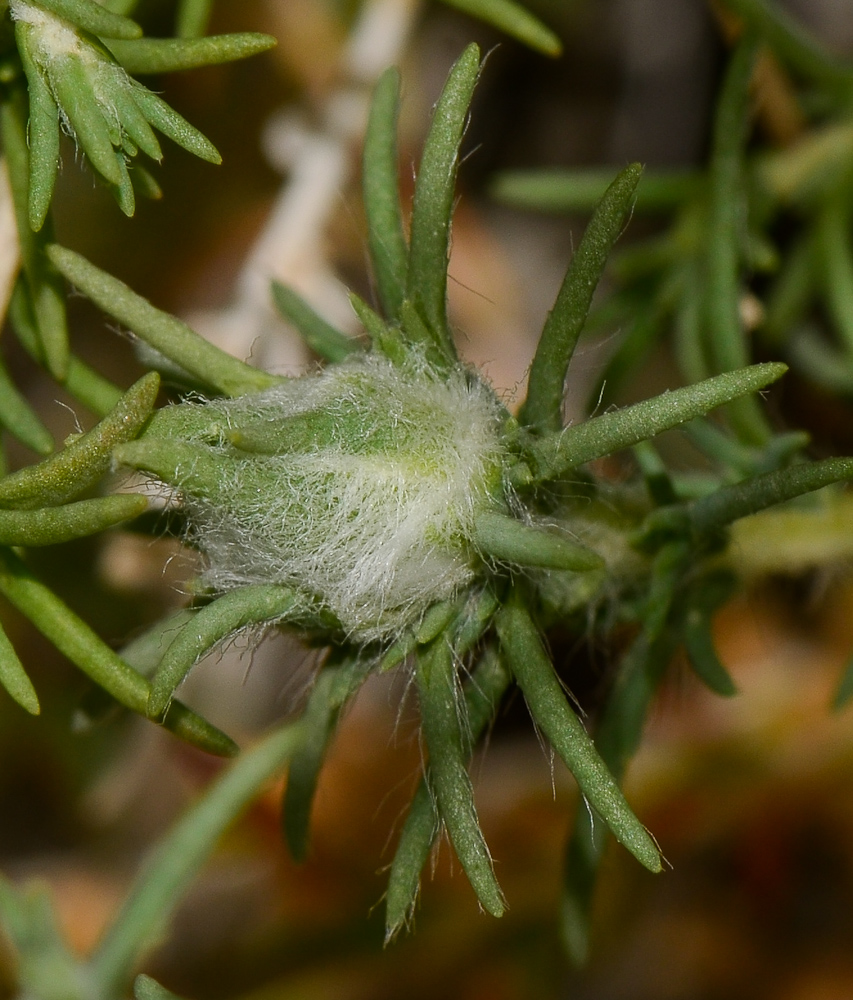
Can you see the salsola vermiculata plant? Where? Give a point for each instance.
(391, 508)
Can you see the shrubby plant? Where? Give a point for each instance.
(388, 506)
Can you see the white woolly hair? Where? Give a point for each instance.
(55, 39)
(372, 516)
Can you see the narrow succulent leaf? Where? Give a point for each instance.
(145, 651)
(54, 525)
(551, 711)
(448, 776)
(657, 479)
(92, 16)
(335, 685)
(194, 466)
(380, 186)
(168, 55)
(384, 338)
(668, 569)
(436, 620)
(14, 678)
(170, 869)
(161, 331)
(144, 183)
(730, 503)
(123, 194)
(727, 339)
(412, 853)
(791, 43)
(44, 285)
(133, 121)
(123, 7)
(43, 132)
(74, 93)
(554, 455)
(75, 640)
(836, 265)
(174, 126)
(543, 408)
(193, 16)
(80, 464)
(426, 276)
(483, 694)
(573, 191)
(617, 739)
(146, 988)
(504, 538)
(702, 653)
(83, 383)
(20, 419)
(323, 338)
(689, 335)
(790, 295)
(515, 20)
(251, 605)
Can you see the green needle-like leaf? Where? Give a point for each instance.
(178, 858)
(727, 340)
(85, 384)
(573, 191)
(92, 16)
(836, 265)
(380, 186)
(730, 503)
(82, 463)
(74, 639)
(251, 605)
(551, 711)
(543, 408)
(46, 294)
(702, 653)
(75, 95)
(323, 338)
(20, 419)
(174, 126)
(442, 727)
(426, 279)
(515, 20)
(483, 693)
(193, 16)
(43, 132)
(554, 455)
(146, 988)
(167, 55)
(161, 331)
(501, 537)
(133, 122)
(335, 685)
(14, 678)
(54, 525)
(617, 739)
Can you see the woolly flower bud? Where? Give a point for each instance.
(357, 486)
